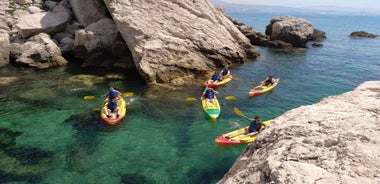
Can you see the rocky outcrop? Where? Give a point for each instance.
(293, 30)
(88, 11)
(5, 50)
(170, 41)
(334, 141)
(38, 51)
(362, 34)
(166, 41)
(44, 22)
(288, 35)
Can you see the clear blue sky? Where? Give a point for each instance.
(372, 5)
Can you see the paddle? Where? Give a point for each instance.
(238, 112)
(253, 83)
(127, 94)
(191, 99)
(235, 78)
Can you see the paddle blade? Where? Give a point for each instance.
(190, 99)
(253, 83)
(128, 94)
(88, 97)
(96, 109)
(230, 98)
(235, 78)
(238, 112)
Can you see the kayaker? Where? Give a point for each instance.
(112, 107)
(225, 72)
(216, 77)
(253, 129)
(209, 95)
(112, 92)
(268, 81)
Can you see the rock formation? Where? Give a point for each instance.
(334, 141)
(166, 41)
(172, 40)
(362, 34)
(293, 30)
(284, 32)
(38, 51)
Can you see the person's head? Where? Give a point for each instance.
(112, 88)
(257, 118)
(270, 76)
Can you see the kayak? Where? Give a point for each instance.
(211, 110)
(223, 141)
(113, 119)
(262, 89)
(225, 80)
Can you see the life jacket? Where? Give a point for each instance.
(209, 94)
(112, 93)
(111, 105)
(215, 77)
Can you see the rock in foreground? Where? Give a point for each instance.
(334, 141)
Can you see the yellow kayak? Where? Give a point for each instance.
(223, 141)
(211, 110)
(113, 119)
(262, 89)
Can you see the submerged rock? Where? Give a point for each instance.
(334, 141)
(362, 34)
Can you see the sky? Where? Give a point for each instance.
(373, 5)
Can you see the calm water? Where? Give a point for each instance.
(50, 134)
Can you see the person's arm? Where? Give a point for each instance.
(247, 118)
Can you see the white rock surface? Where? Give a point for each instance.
(334, 141)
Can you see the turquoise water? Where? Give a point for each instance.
(50, 134)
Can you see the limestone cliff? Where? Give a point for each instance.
(334, 141)
(171, 40)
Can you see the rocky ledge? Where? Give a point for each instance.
(334, 141)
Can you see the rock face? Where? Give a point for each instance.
(171, 40)
(296, 31)
(88, 11)
(5, 50)
(38, 51)
(47, 22)
(334, 141)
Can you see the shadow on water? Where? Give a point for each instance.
(26, 164)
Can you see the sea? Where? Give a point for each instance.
(50, 134)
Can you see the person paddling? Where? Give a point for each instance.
(209, 95)
(253, 129)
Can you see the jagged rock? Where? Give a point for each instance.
(88, 11)
(4, 27)
(47, 22)
(296, 31)
(97, 36)
(334, 141)
(38, 51)
(178, 39)
(5, 49)
(362, 34)
(317, 45)
(33, 9)
(258, 38)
